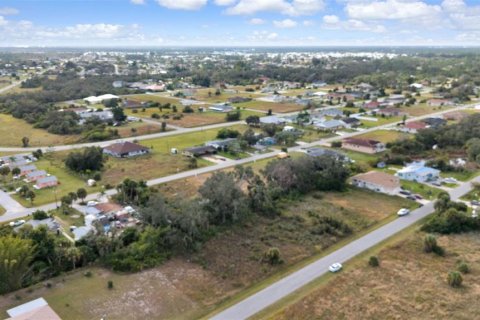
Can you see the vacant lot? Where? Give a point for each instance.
(153, 98)
(12, 130)
(385, 135)
(422, 109)
(187, 287)
(208, 95)
(409, 284)
(380, 121)
(274, 106)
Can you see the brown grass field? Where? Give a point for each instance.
(409, 284)
(265, 106)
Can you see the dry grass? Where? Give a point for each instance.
(385, 135)
(408, 285)
(274, 106)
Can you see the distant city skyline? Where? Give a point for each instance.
(155, 23)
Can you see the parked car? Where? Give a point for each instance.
(405, 192)
(436, 183)
(475, 203)
(16, 223)
(413, 198)
(92, 203)
(335, 267)
(403, 212)
(418, 197)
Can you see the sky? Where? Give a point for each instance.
(155, 23)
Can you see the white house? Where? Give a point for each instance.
(417, 171)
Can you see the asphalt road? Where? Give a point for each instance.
(282, 288)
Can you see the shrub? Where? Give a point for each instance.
(110, 284)
(336, 144)
(88, 274)
(454, 279)
(429, 243)
(39, 215)
(155, 116)
(463, 267)
(272, 256)
(373, 261)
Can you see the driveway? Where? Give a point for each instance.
(10, 205)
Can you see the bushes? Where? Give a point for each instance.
(430, 245)
(454, 279)
(90, 159)
(373, 262)
(39, 215)
(451, 221)
(272, 256)
(463, 267)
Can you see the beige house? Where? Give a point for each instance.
(378, 182)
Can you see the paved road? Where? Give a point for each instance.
(10, 86)
(268, 296)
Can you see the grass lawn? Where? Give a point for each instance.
(422, 109)
(425, 191)
(153, 98)
(203, 95)
(70, 217)
(381, 121)
(69, 182)
(275, 106)
(385, 135)
(472, 195)
(393, 290)
(189, 120)
(12, 130)
(133, 129)
(460, 176)
(311, 135)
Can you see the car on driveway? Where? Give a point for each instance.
(403, 212)
(413, 198)
(405, 192)
(17, 223)
(335, 267)
(475, 203)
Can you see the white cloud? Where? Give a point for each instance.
(224, 2)
(137, 1)
(6, 11)
(182, 4)
(308, 23)
(293, 8)
(3, 21)
(263, 36)
(256, 21)
(333, 22)
(286, 23)
(462, 16)
(391, 10)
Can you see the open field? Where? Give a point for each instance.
(422, 109)
(409, 284)
(133, 129)
(385, 135)
(381, 121)
(188, 120)
(187, 287)
(154, 98)
(274, 106)
(12, 130)
(203, 95)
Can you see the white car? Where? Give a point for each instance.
(403, 212)
(335, 267)
(92, 203)
(17, 223)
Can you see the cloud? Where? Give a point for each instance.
(333, 22)
(3, 21)
(308, 23)
(7, 11)
(182, 4)
(286, 23)
(137, 1)
(391, 10)
(263, 36)
(292, 8)
(462, 16)
(224, 2)
(256, 21)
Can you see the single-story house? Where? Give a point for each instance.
(46, 182)
(221, 144)
(125, 150)
(267, 141)
(414, 126)
(371, 105)
(37, 309)
(104, 115)
(435, 122)
(391, 112)
(221, 108)
(417, 171)
(334, 112)
(35, 175)
(273, 120)
(363, 145)
(395, 99)
(351, 122)
(199, 151)
(24, 170)
(132, 104)
(377, 181)
(340, 96)
(319, 152)
(100, 99)
(440, 102)
(330, 125)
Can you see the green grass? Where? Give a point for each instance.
(460, 176)
(472, 195)
(385, 135)
(2, 210)
(70, 217)
(381, 121)
(425, 191)
(265, 106)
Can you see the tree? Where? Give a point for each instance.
(269, 112)
(90, 159)
(118, 114)
(233, 116)
(82, 194)
(25, 141)
(4, 171)
(16, 254)
(39, 215)
(164, 126)
(272, 256)
(30, 195)
(253, 120)
(473, 149)
(16, 171)
(249, 137)
(225, 133)
(192, 163)
(454, 279)
(223, 199)
(66, 201)
(23, 191)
